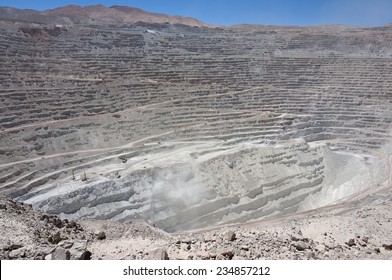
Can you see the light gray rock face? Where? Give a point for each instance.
(192, 127)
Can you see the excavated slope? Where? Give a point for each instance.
(191, 127)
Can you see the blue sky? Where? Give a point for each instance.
(227, 12)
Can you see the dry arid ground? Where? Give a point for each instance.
(130, 135)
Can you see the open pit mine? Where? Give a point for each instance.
(190, 126)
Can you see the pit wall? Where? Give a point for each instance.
(215, 186)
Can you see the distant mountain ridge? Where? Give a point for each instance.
(73, 14)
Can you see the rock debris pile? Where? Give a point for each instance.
(28, 234)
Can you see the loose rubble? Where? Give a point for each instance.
(28, 234)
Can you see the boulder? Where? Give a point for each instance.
(101, 235)
(60, 254)
(229, 235)
(79, 251)
(387, 246)
(158, 254)
(55, 238)
(185, 246)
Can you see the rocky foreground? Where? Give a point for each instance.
(357, 233)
